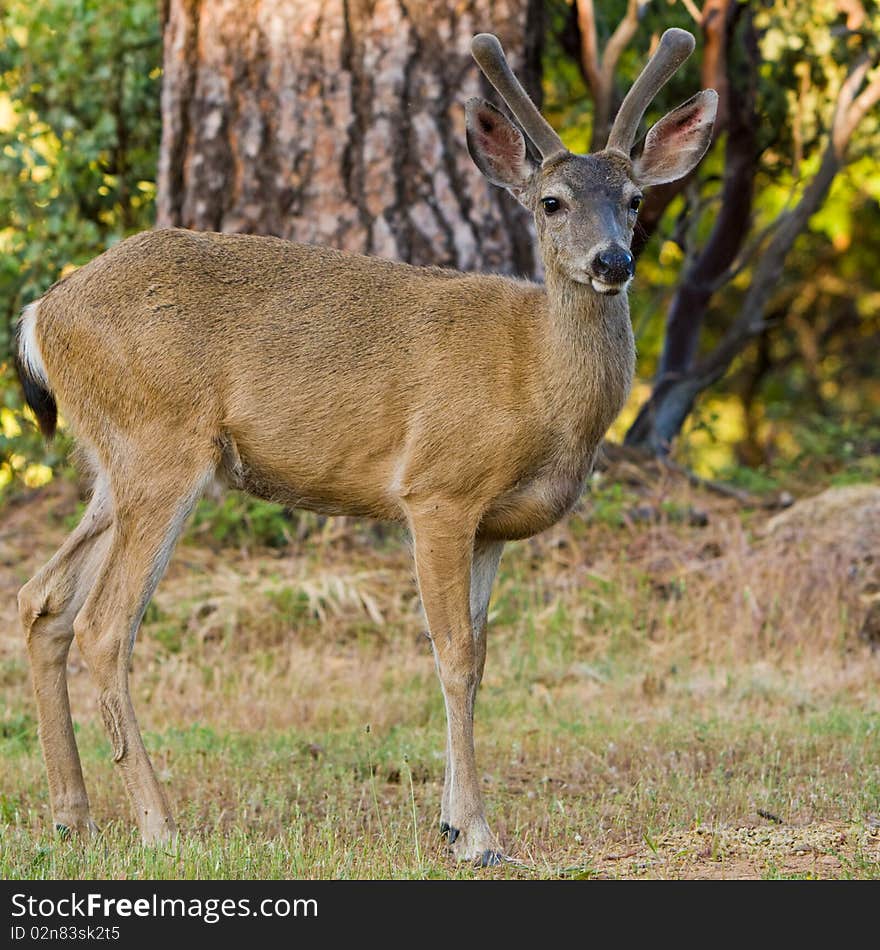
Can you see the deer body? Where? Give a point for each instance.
(467, 406)
(325, 342)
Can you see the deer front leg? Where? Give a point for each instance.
(444, 546)
(484, 566)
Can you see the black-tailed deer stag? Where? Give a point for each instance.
(467, 406)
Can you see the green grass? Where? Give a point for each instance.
(641, 709)
(565, 786)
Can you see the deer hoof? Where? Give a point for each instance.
(450, 832)
(85, 829)
(491, 859)
(474, 845)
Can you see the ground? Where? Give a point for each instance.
(678, 686)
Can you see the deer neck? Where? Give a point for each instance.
(590, 354)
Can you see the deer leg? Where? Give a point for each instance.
(149, 515)
(484, 566)
(443, 557)
(47, 605)
(487, 555)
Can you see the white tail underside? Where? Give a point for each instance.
(28, 348)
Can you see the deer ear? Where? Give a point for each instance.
(497, 146)
(675, 145)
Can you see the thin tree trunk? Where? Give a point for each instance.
(340, 122)
(715, 22)
(664, 414)
(687, 311)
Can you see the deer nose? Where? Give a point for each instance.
(614, 264)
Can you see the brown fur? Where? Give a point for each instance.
(349, 384)
(468, 407)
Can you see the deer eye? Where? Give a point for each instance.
(551, 205)
(635, 203)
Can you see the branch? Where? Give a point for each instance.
(851, 109)
(855, 13)
(691, 300)
(599, 70)
(661, 418)
(717, 22)
(620, 39)
(586, 18)
(746, 498)
(634, 461)
(693, 9)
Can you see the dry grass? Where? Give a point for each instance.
(665, 672)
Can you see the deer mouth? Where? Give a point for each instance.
(607, 289)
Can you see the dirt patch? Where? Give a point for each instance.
(821, 850)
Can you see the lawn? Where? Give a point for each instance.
(677, 686)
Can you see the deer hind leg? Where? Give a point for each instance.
(484, 566)
(47, 605)
(443, 555)
(150, 508)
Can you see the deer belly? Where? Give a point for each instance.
(307, 480)
(531, 506)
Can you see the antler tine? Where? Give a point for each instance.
(490, 58)
(675, 47)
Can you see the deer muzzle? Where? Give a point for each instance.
(611, 268)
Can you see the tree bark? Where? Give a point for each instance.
(340, 122)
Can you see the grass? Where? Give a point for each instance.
(288, 803)
(656, 687)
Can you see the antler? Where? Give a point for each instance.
(675, 47)
(489, 55)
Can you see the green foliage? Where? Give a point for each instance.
(846, 449)
(827, 450)
(817, 361)
(292, 603)
(608, 504)
(238, 521)
(79, 135)
(10, 808)
(756, 480)
(814, 373)
(79, 138)
(18, 732)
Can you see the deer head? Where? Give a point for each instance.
(585, 206)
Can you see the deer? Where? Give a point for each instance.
(467, 407)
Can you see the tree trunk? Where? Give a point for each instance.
(340, 122)
(662, 417)
(657, 423)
